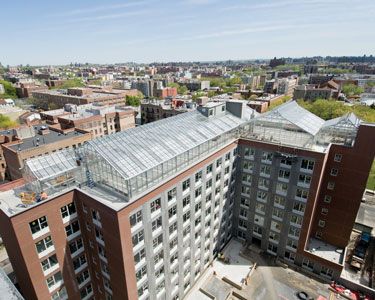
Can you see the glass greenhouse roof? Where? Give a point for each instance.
(136, 150)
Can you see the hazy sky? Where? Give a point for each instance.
(59, 32)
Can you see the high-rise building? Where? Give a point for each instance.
(141, 214)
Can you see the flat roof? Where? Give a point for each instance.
(326, 251)
(49, 138)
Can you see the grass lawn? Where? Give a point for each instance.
(371, 178)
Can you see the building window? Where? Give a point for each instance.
(331, 185)
(75, 245)
(209, 183)
(308, 264)
(137, 238)
(78, 262)
(140, 273)
(292, 243)
(272, 248)
(198, 192)
(278, 213)
(294, 231)
(290, 255)
(327, 199)
(157, 241)
(282, 188)
(245, 190)
(263, 183)
(326, 272)
(324, 211)
(243, 213)
(141, 254)
(279, 200)
(275, 226)
(156, 224)
(298, 206)
(172, 194)
(262, 196)
(241, 234)
(321, 223)
(302, 194)
(72, 228)
(284, 174)
(304, 179)
(337, 157)
(186, 185)
(82, 277)
(198, 176)
(172, 211)
(44, 244)
(246, 178)
(186, 216)
(265, 170)
(227, 156)
(218, 162)
(68, 210)
(248, 166)
(285, 162)
(38, 224)
(60, 294)
(245, 201)
(86, 291)
(267, 156)
(242, 223)
(249, 152)
(307, 164)
(259, 207)
(158, 257)
(143, 289)
(209, 169)
(54, 279)
(334, 172)
(218, 177)
(172, 228)
(95, 215)
(49, 263)
(155, 205)
(136, 218)
(274, 236)
(296, 219)
(257, 229)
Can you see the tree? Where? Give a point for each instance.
(6, 122)
(181, 89)
(329, 109)
(10, 90)
(133, 100)
(352, 90)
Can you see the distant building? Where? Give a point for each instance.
(146, 87)
(286, 86)
(79, 96)
(25, 90)
(166, 92)
(311, 92)
(310, 69)
(319, 79)
(270, 86)
(43, 141)
(258, 106)
(153, 110)
(97, 119)
(2, 90)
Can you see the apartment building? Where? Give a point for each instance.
(95, 118)
(286, 86)
(79, 96)
(154, 110)
(43, 140)
(141, 214)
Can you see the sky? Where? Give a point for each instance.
(114, 31)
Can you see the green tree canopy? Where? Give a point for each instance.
(352, 90)
(329, 109)
(133, 100)
(6, 122)
(10, 90)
